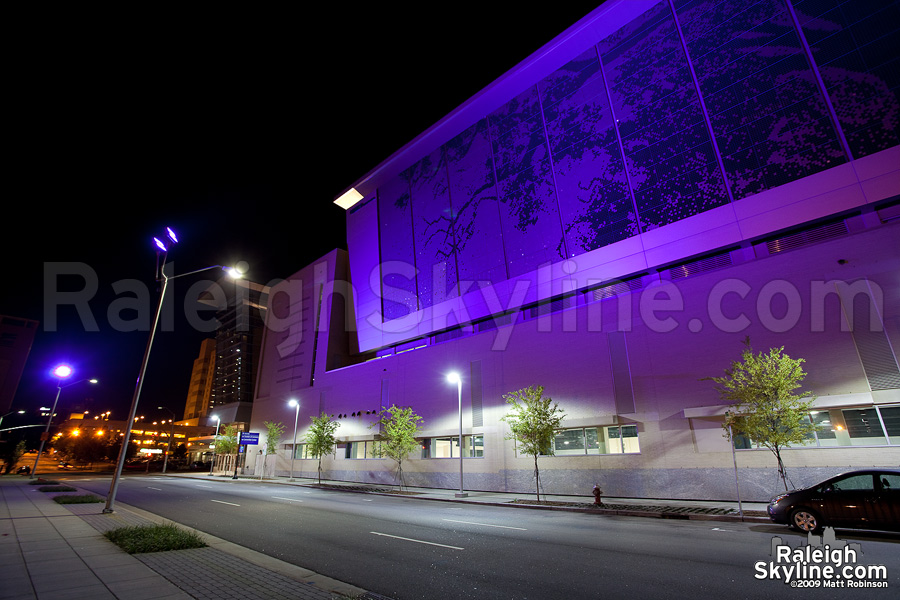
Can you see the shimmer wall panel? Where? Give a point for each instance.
(671, 161)
(617, 141)
(594, 200)
(769, 118)
(397, 248)
(476, 214)
(432, 226)
(855, 45)
(529, 214)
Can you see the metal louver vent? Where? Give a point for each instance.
(446, 336)
(617, 289)
(807, 237)
(703, 265)
(551, 306)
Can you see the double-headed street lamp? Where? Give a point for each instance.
(455, 378)
(296, 405)
(161, 253)
(61, 372)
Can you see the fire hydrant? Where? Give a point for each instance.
(597, 493)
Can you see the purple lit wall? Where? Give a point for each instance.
(690, 106)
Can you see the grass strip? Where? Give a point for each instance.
(154, 538)
(56, 488)
(79, 499)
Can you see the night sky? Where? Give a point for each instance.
(235, 128)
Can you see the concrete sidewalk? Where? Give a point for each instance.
(50, 551)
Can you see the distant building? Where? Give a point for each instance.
(16, 338)
(241, 312)
(196, 406)
(609, 220)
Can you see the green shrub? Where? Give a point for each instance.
(79, 499)
(154, 538)
(56, 488)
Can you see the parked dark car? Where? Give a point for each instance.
(866, 499)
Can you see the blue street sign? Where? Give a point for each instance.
(247, 438)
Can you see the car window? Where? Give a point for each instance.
(854, 483)
(889, 481)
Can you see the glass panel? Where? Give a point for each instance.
(569, 442)
(614, 445)
(890, 416)
(478, 446)
(592, 443)
(357, 450)
(864, 427)
(824, 427)
(630, 438)
(441, 448)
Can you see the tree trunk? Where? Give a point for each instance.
(781, 471)
(320, 470)
(537, 478)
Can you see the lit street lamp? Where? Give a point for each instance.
(294, 404)
(218, 420)
(18, 412)
(455, 378)
(162, 251)
(171, 435)
(61, 372)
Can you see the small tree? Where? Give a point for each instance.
(762, 405)
(533, 420)
(226, 442)
(320, 439)
(399, 427)
(13, 454)
(274, 432)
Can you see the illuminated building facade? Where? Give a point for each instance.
(609, 220)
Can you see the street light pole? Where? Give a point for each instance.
(296, 405)
(163, 251)
(171, 435)
(60, 372)
(215, 438)
(455, 378)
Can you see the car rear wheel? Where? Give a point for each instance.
(805, 520)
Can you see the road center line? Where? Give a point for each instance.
(221, 502)
(291, 499)
(153, 488)
(397, 537)
(485, 524)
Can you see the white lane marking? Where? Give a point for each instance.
(719, 529)
(153, 488)
(397, 537)
(485, 524)
(291, 499)
(221, 502)
(204, 486)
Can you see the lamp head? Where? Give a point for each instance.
(62, 371)
(160, 245)
(453, 377)
(171, 235)
(293, 403)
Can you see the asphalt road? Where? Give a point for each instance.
(409, 549)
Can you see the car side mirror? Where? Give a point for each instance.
(828, 489)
